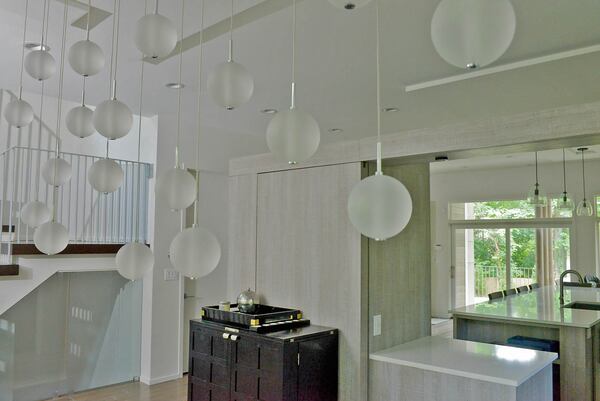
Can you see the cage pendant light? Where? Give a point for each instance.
(565, 203)
(230, 85)
(134, 259)
(52, 237)
(18, 112)
(379, 206)
(39, 63)
(293, 135)
(536, 196)
(195, 252)
(585, 207)
(176, 186)
(112, 118)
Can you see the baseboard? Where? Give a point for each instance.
(157, 380)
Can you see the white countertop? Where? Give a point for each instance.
(492, 363)
(539, 306)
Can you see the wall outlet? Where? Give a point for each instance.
(171, 275)
(377, 325)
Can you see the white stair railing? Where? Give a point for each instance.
(90, 217)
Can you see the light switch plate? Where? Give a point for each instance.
(377, 325)
(171, 275)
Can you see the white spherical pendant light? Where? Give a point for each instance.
(56, 172)
(349, 4)
(86, 58)
(18, 113)
(40, 64)
(113, 119)
(134, 260)
(51, 238)
(230, 85)
(293, 136)
(105, 176)
(155, 35)
(473, 33)
(177, 188)
(35, 213)
(80, 121)
(379, 207)
(195, 252)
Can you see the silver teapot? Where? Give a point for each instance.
(247, 301)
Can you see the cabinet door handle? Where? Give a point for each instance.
(226, 336)
(233, 337)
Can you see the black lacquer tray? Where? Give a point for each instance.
(262, 315)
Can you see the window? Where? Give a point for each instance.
(498, 245)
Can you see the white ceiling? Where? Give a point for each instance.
(514, 160)
(336, 69)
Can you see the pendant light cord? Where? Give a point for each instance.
(537, 181)
(293, 102)
(156, 7)
(87, 33)
(200, 61)
(139, 144)
(564, 173)
(583, 174)
(111, 83)
(23, 49)
(37, 176)
(43, 36)
(59, 111)
(377, 24)
(231, 33)
(177, 141)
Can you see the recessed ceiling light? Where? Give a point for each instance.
(36, 46)
(335, 130)
(269, 111)
(391, 110)
(175, 85)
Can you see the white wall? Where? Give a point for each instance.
(163, 300)
(506, 183)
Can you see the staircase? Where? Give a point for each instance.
(98, 224)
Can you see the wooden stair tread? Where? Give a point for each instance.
(72, 249)
(9, 270)
(8, 228)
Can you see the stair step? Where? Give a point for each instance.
(9, 270)
(72, 249)
(8, 228)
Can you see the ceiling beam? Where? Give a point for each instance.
(502, 68)
(97, 15)
(243, 18)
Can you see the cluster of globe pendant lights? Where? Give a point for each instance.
(466, 33)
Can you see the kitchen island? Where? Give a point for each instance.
(539, 314)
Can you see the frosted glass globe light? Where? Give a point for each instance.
(18, 113)
(105, 176)
(56, 172)
(51, 238)
(349, 4)
(40, 64)
(80, 121)
(155, 36)
(230, 85)
(177, 188)
(293, 136)
(473, 33)
(35, 213)
(113, 119)
(86, 58)
(195, 252)
(379, 207)
(134, 260)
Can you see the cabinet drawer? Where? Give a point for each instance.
(210, 343)
(206, 392)
(209, 371)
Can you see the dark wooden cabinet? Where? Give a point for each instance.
(230, 364)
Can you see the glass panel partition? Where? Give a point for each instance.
(75, 332)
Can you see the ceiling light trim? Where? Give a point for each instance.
(504, 67)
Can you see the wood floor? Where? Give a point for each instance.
(175, 390)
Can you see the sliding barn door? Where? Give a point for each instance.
(309, 257)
